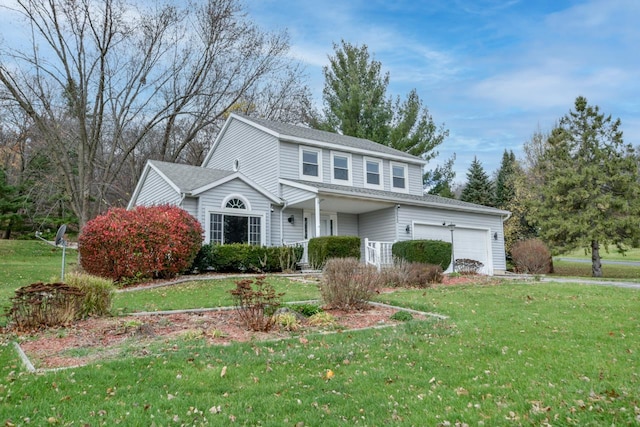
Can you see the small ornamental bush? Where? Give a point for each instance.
(412, 275)
(306, 310)
(323, 248)
(347, 284)
(322, 319)
(434, 252)
(146, 242)
(98, 293)
(403, 316)
(531, 257)
(43, 305)
(467, 266)
(256, 302)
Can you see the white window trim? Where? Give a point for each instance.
(349, 169)
(224, 207)
(380, 169)
(235, 212)
(406, 177)
(304, 177)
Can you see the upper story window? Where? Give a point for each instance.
(399, 177)
(310, 164)
(373, 173)
(341, 165)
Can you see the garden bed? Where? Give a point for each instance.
(92, 340)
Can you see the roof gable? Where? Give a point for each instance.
(305, 135)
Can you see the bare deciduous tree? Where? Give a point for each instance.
(107, 84)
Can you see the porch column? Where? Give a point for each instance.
(317, 214)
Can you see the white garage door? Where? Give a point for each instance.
(467, 242)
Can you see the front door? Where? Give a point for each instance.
(328, 225)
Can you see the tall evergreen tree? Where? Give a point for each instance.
(505, 179)
(478, 188)
(356, 104)
(591, 193)
(10, 203)
(439, 180)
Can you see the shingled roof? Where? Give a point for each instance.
(188, 178)
(427, 199)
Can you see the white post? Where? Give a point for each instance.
(317, 215)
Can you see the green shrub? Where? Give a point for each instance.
(403, 316)
(242, 258)
(434, 252)
(323, 248)
(307, 310)
(347, 284)
(98, 293)
(146, 242)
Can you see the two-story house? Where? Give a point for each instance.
(268, 183)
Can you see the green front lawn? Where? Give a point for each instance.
(204, 294)
(510, 354)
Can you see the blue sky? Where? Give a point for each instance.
(492, 71)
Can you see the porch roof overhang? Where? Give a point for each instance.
(356, 200)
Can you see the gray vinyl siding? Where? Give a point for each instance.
(190, 204)
(289, 161)
(378, 225)
(415, 179)
(156, 191)
(212, 201)
(347, 224)
(257, 152)
(295, 195)
(293, 232)
(407, 215)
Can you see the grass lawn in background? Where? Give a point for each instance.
(583, 270)
(633, 254)
(23, 262)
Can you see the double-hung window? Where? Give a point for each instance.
(399, 177)
(341, 165)
(310, 164)
(373, 173)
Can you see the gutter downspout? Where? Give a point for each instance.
(281, 223)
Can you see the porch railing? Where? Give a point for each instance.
(378, 253)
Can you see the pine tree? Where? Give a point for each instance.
(591, 193)
(439, 180)
(478, 188)
(10, 203)
(505, 180)
(356, 104)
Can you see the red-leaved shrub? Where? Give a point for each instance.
(531, 256)
(146, 242)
